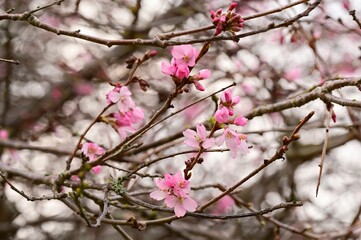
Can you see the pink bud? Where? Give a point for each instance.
(333, 116)
(240, 121)
(213, 14)
(232, 6)
(152, 53)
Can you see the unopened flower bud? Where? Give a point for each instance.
(152, 53)
(232, 6)
(130, 61)
(213, 14)
(216, 20)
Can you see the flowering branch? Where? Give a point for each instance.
(279, 154)
(156, 41)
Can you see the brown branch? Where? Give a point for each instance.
(22, 145)
(105, 209)
(341, 101)
(209, 216)
(302, 99)
(353, 14)
(32, 199)
(77, 147)
(280, 9)
(156, 41)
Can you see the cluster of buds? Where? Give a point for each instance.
(229, 21)
(236, 142)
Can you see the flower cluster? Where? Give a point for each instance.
(128, 115)
(234, 141)
(184, 58)
(93, 151)
(175, 190)
(229, 21)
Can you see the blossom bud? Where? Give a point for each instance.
(213, 14)
(232, 6)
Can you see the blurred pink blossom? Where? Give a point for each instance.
(96, 169)
(292, 74)
(248, 89)
(83, 89)
(202, 74)
(92, 150)
(4, 134)
(234, 141)
(223, 205)
(56, 93)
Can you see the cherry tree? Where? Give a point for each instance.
(180, 119)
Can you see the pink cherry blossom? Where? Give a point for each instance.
(181, 204)
(199, 138)
(92, 150)
(240, 121)
(122, 96)
(168, 69)
(221, 115)
(174, 70)
(234, 141)
(96, 169)
(226, 105)
(185, 55)
(229, 101)
(4, 135)
(174, 189)
(202, 74)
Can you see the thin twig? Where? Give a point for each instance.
(120, 230)
(16, 62)
(46, 6)
(95, 120)
(105, 209)
(324, 148)
(32, 199)
(280, 9)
